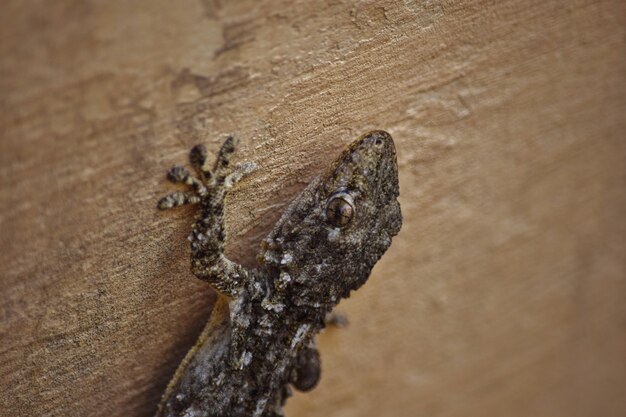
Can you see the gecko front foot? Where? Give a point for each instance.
(208, 189)
(208, 185)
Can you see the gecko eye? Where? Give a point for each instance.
(340, 210)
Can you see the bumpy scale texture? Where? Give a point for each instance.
(323, 247)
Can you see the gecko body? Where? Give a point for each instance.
(323, 247)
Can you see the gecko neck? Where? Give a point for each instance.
(265, 319)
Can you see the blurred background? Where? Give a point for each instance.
(503, 294)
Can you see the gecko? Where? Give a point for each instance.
(324, 246)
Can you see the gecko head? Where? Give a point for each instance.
(328, 240)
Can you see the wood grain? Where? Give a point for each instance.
(503, 293)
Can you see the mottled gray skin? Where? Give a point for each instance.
(323, 247)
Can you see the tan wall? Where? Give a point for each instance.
(503, 295)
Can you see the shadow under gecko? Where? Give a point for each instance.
(324, 246)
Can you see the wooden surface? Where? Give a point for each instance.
(504, 293)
